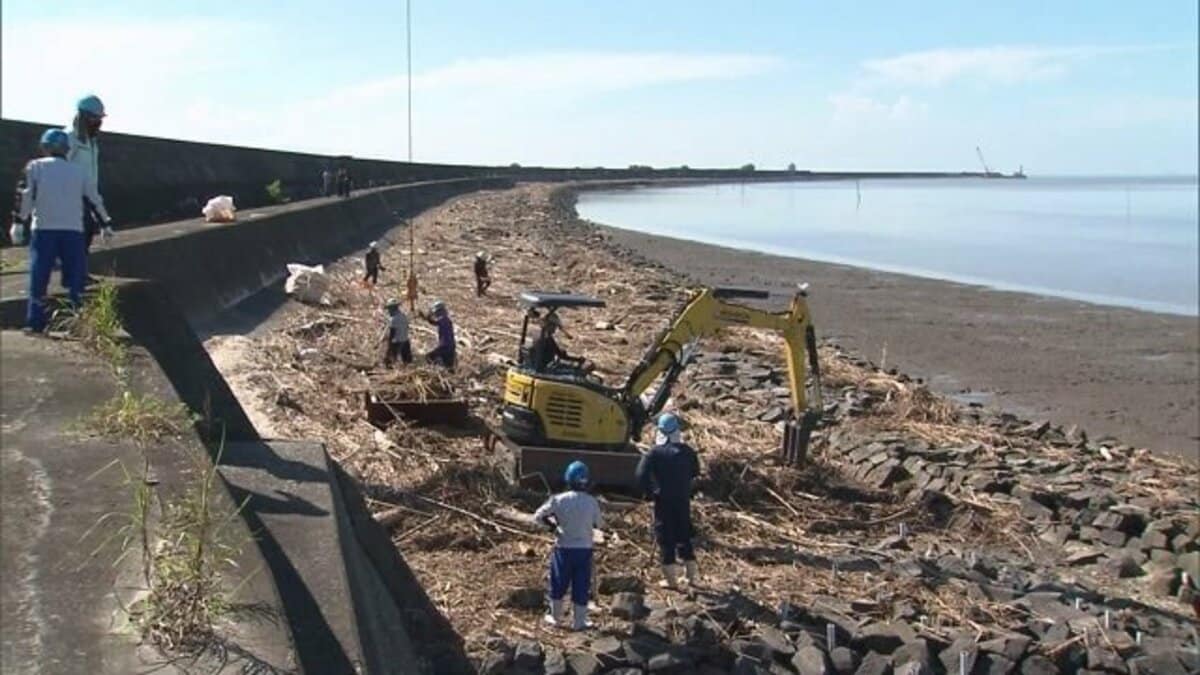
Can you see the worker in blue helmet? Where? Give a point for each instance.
(665, 474)
(53, 201)
(573, 516)
(84, 152)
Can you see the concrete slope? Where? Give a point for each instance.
(61, 610)
(351, 607)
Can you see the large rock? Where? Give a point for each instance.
(610, 652)
(584, 663)
(1162, 663)
(995, 664)
(1036, 664)
(916, 652)
(884, 638)
(528, 655)
(845, 661)
(1190, 563)
(811, 661)
(1103, 658)
(748, 665)
(1125, 567)
(950, 656)
(1164, 581)
(639, 650)
(628, 606)
(493, 664)
(701, 631)
(608, 584)
(874, 664)
(528, 598)
(674, 661)
(781, 647)
(555, 663)
(1012, 647)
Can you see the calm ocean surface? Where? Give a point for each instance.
(1115, 241)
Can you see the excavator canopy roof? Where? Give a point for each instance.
(547, 300)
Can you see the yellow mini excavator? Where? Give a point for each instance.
(556, 411)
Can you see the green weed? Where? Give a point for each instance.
(141, 418)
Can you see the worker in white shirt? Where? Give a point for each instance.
(54, 199)
(85, 152)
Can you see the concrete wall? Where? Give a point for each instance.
(209, 269)
(146, 179)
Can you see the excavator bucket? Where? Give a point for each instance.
(796, 436)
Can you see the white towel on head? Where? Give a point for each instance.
(662, 439)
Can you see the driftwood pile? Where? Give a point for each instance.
(921, 532)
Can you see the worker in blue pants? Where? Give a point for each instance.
(573, 515)
(665, 473)
(56, 193)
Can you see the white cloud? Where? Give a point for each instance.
(568, 72)
(146, 71)
(997, 64)
(849, 107)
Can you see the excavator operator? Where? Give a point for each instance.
(545, 352)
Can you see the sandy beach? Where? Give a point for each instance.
(1112, 371)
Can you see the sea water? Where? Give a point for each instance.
(1116, 241)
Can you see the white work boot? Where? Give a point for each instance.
(692, 572)
(555, 616)
(581, 620)
(670, 576)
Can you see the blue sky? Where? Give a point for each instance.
(1060, 87)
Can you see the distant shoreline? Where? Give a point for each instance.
(731, 242)
(1116, 371)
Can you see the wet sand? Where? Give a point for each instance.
(1130, 374)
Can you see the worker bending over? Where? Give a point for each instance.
(482, 279)
(396, 335)
(666, 474)
(444, 353)
(55, 195)
(573, 516)
(372, 264)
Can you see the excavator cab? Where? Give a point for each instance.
(541, 353)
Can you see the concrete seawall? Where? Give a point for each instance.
(152, 180)
(210, 268)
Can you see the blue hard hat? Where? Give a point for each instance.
(668, 423)
(91, 104)
(576, 474)
(56, 140)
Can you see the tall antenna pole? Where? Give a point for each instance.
(412, 284)
(408, 43)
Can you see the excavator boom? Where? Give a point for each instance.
(706, 313)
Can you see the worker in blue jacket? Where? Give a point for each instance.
(665, 473)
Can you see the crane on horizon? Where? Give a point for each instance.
(986, 170)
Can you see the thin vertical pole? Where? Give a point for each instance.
(408, 44)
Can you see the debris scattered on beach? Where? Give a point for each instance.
(921, 532)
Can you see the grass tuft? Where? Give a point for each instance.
(142, 418)
(97, 324)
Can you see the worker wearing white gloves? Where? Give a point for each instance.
(55, 195)
(84, 152)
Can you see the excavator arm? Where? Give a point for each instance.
(707, 312)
